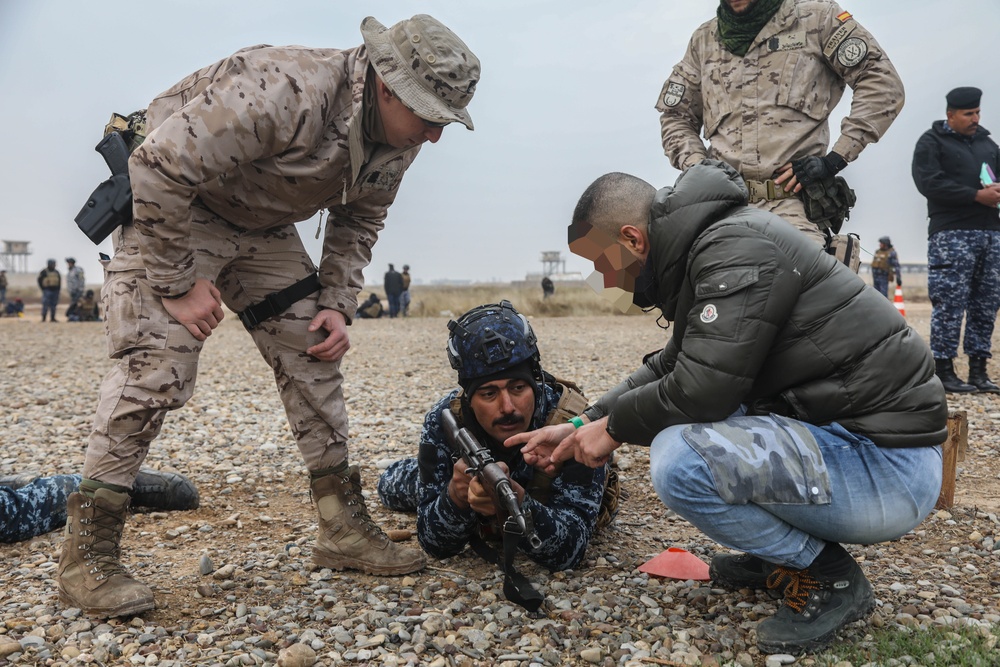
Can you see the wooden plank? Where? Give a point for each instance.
(954, 446)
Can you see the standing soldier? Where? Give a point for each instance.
(404, 297)
(3, 287)
(50, 282)
(963, 246)
(236, 154)
(75, 281)
(885, 267)
(760, 81)
(393, 284)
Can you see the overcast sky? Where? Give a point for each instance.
(567, 94)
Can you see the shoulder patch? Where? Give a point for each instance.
(672, 93)
(843, 16)
(852, 51)
(838, 36)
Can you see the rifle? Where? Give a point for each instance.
(496, 482)
(517, 523)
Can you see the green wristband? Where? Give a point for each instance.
(576, 421)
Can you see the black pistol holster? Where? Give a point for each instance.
(110, 205)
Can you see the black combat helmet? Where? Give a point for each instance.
(490, 339)
(885, 240)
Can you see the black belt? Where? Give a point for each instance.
(278, 302)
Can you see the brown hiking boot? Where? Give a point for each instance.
(348, 538)
(90, 575)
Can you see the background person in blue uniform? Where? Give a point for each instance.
(963, 248)
(885, 267)
(504, 391)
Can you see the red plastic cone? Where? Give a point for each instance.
(898, 301)
(676, 564)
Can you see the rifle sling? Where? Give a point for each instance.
(278, 302)
(516, 586)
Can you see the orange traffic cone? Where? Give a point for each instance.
(898, 301)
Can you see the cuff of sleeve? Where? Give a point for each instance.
(173, 286)
(454, 514)
(848, 148)
(593, 413)
(693, 159)
(341, 301)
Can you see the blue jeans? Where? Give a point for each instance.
(875, 494)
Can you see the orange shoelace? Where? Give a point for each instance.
(797, 586)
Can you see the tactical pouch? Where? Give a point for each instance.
(828, 202)
(846, 248)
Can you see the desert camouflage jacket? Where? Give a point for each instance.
(565, 521)
(265, 138)
(763, 110)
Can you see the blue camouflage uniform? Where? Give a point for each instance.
(885, 265)
(36, 508)
(963, 278)
(565, 521)
(963, 250)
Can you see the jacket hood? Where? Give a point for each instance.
(701, 196)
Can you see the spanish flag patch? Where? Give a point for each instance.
(843, 16)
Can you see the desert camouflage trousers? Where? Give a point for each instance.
(157, 358)
(793, 211)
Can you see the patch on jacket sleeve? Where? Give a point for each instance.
(673, 93)
(838, 37)
(852, 51)
(709, 313)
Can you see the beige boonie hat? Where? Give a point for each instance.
(425, 65)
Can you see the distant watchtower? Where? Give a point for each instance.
(14, 257)
(552, 262)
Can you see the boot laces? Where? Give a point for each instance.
(798, 585)
(104, 549)
(353, 492)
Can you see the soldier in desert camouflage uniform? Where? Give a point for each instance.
(777, 425)
(237, 153)
(502, 393)
(760, 81)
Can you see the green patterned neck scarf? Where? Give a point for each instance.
(738, 31)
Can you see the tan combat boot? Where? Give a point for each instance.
(91, 577)
(348, 538)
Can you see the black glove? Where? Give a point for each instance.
(810, 169)
(899, 282)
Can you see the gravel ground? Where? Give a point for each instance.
(235, 585)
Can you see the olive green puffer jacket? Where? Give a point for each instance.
(763, 318)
